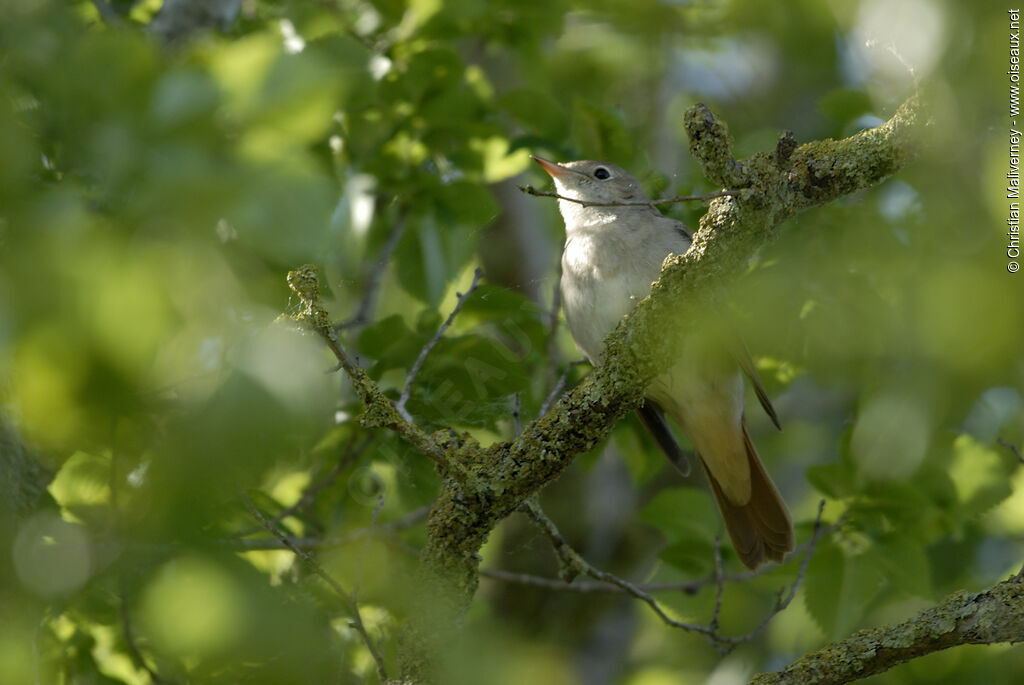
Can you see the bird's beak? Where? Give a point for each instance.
(555, 170)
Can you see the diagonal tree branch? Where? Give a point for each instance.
(990, 617)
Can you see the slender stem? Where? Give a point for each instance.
(574, 565)
(418, 364)
(364, 312)
(349, 600)
(530, 190)
(559, 386)
(351, 453)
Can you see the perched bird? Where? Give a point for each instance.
(613, 252)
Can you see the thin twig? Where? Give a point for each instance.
(133, 647)
(689, 587)
(364, 312)
(552, 342)
(719, 584)
(574, 565)
(517, 422)
(366, 548)
(349, 600)
(400, 405)
(351, 453)
(1013, 448)
(385, 529)
(588, 587)
(784, 602)
(530, 190)
(559, 386)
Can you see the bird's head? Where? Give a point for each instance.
(590, 181)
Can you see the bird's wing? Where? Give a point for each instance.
(652, 416)
(742, 356)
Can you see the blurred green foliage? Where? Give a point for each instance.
(152, 199)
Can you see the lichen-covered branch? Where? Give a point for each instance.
(990, 617)
(379, 410)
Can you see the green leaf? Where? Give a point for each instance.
(182, 96)
(834, 480)
(466, 204)
(980, 475)
(83, 480)
(694, 556)
(431, 253)
(641, 456)
(391, 344)
(906, 564)
(600, 133)
(538, 112)
(682, 514)
(887, 505)
(845, 104)
(477, 366)
(839, 588)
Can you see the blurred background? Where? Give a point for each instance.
(158, 180)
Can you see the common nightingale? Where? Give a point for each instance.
(612, 255)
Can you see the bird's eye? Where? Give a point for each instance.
(600, 173)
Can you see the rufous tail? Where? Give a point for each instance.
(761, 528)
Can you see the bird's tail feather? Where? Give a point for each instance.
(760, 529)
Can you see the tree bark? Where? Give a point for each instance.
(993, 616)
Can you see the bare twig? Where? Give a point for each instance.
(1013, 448)
(584, 587)
(517, 407)
(530, 190)
(306, 499)
(133, 648)
(400, 405)
(351, 453)
(559, 386)
(349, 600)
(689, 587)
(719, 585)
(784, 601)
(364, 312)
(389, 528)
(556, 305)
(573, 565)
